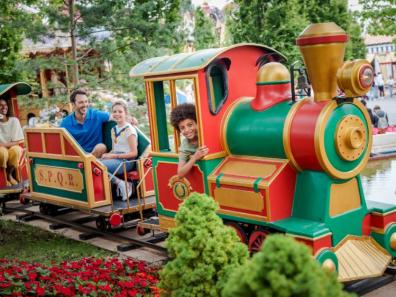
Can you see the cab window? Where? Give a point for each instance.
(167, 95)
(217, 84)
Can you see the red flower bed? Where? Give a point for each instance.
(86, 277)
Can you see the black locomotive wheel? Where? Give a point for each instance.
(43, 208)
(102, 224)
(48, 209)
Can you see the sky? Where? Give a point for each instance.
(353, 4)
(218, 3)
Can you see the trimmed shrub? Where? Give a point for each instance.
(203, 250)
(282, 268)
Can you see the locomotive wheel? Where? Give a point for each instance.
(44, 208)
(238, 230)
(48, 209)
(141, 230)
(102, 224)
(256, 240)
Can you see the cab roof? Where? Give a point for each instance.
(185, 62)
(20, 88)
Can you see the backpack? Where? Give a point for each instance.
(382, 122)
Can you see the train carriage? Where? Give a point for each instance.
(62, 174)
(9, 92)
(275, 164)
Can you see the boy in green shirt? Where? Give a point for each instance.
(184, 120)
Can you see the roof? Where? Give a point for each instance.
(20, 88)
(185, 62)
(380, 39)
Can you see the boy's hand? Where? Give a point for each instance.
(201, 152)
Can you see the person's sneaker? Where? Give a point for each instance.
(121, 190)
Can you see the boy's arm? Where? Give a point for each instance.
(184, 167)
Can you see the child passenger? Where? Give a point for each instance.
(184, 120)
(124, 143)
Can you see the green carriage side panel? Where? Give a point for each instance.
(257, 133)
(186, 62)
(58, 192)
(330, 134)
(312, 202)
(107, 126)
(143, 140)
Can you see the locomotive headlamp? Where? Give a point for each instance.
(355, 78)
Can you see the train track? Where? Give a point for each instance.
(126, 243)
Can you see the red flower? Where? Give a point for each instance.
(40, 291)
(32, 276)
(132, 293)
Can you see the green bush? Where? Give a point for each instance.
(282, 268)
(203, 250)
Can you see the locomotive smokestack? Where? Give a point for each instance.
(322, 47)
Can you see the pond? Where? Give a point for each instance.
(379, 181)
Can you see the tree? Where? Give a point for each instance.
(356, 48)
(123, 32)
(204, 31)
(278, 23)
(14, 23)
(203, 251)
(380, 15)
(273, 23)
(321, 11)
(282, 268)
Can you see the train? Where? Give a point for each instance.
(10, 93)
(277, 163)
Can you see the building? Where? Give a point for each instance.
(381, 53)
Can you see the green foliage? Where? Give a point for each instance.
(14, 23)
(380, 15)
(282, 268)
(204, 252)
(204, 31)
(356, 48)
(273, 23)
(278, 23)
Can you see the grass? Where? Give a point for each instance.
(27, 243)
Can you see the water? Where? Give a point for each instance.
(379, 181)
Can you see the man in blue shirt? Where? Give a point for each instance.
(85, 124)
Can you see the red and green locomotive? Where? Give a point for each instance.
(275, 165)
